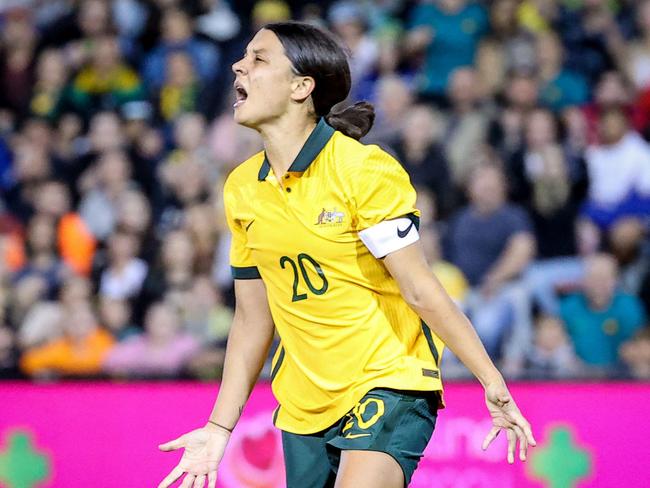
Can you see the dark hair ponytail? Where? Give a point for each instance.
(354, 120)
(314, 52)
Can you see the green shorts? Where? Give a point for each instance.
(399, 423)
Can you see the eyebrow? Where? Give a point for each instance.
(256, 51)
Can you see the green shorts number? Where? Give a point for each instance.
(399, 423)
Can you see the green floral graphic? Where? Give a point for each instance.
(21, 465)
(560, 463)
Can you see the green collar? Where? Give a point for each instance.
(315, 143)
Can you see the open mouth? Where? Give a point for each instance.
(240, 95)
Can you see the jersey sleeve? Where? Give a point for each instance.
(241, 261)
(387, 219)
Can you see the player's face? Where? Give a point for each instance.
(262, 81)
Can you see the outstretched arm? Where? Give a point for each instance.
(249, 341)
(248, 347)
(428, 299)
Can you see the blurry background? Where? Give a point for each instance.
(523, 124)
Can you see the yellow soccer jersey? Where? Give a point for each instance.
(343, 325)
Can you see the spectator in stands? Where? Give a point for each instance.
(448, 32)
(42, 256)
(29, 168)
(492, 243)
(125, 273)
(72, 31)
(619, 173)
(105, 133)
(267, 11)
(49, 94)
(177, 36)
(189, 141)
(204, 314)
(173, 270)
(467, 127)
(506, 48)
(75, 242)
(420, 152)
(636, 61)
(552, 354)
(611, 92)
(105, 82)
(75, 288)
(201, 224)
(348, 21)
(186, 183)
(391, 63)
(138, 118)
(549, 184)
(162, 351)
(537, 17)
(182, 90)
(80, 352)
(559, 87)
(219, 23)
(42, 325)
(133, 215)
(18, 43)
(208, 318)
(102, 185)
(600, 317)
(115, 315)
(393, 100)
(635, 65)
(552, 189)
(506, 131)
(26, 293)
(592, 35)
(69, 141)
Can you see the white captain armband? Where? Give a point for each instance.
(389, 236)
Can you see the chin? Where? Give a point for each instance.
(246, 121)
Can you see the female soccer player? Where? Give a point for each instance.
(325, 248)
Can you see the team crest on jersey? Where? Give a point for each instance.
(330, 218)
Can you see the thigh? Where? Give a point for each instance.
(369, 469)
(308, 461)
(386, 429)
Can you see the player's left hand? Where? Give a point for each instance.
(506, 416)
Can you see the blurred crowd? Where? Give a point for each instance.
(524, 125)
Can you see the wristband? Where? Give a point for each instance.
(222, 426)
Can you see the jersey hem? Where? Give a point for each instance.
(320, 426)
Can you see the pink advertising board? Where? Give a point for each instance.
(105, 435)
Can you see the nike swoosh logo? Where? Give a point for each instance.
(403, 233)
(354, 436)
(249, 225)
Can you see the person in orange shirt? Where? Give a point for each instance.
(80, 352)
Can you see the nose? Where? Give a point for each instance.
(238, 67)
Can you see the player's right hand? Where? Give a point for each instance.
(203, 450)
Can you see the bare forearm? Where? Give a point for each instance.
(245, 355)
(452, 326)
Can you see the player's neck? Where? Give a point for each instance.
(283, 140)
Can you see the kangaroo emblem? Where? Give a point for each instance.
(330, 217)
